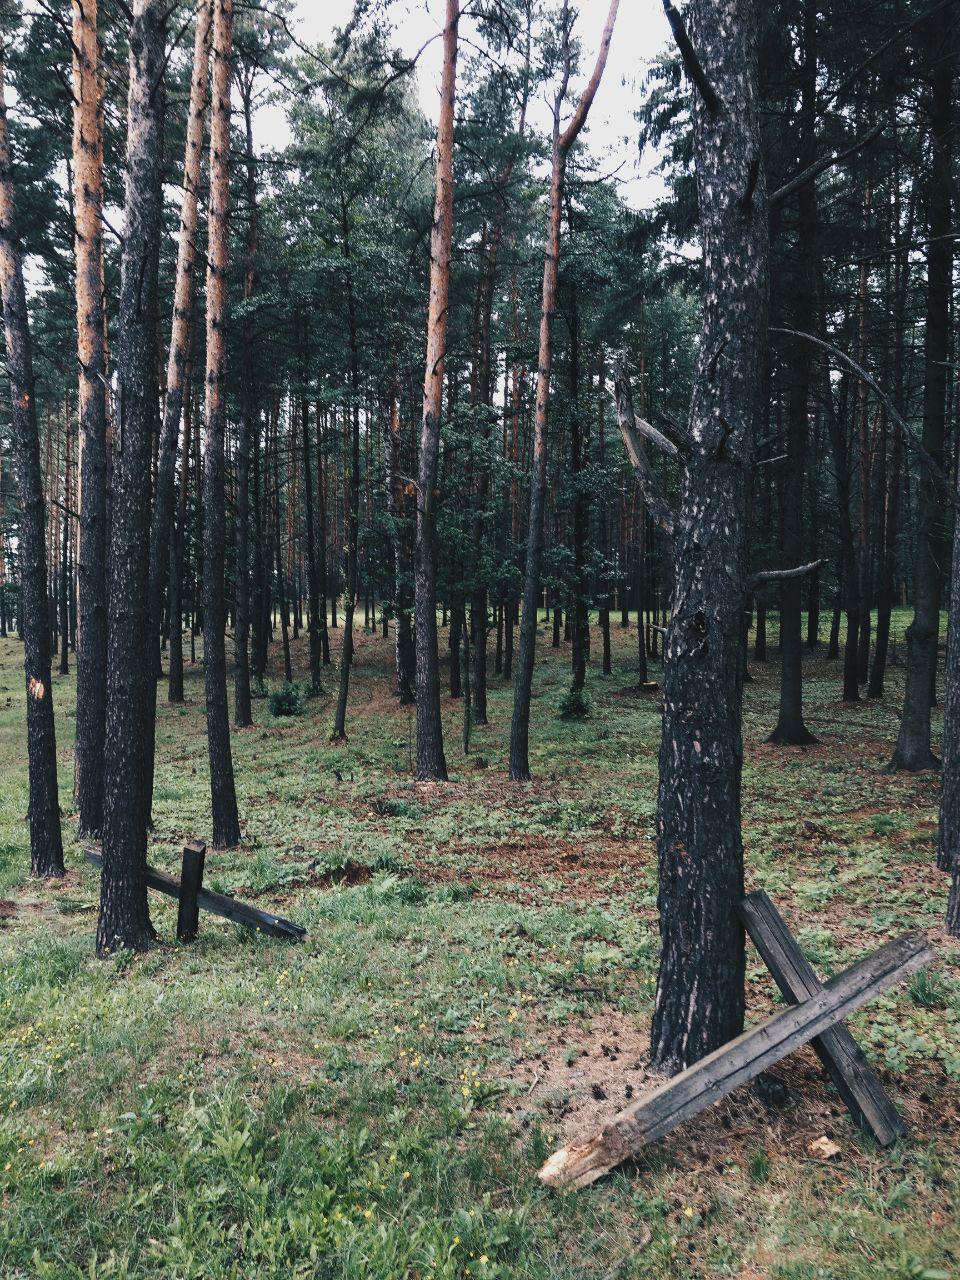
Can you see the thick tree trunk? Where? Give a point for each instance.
(223, 795)
(431, 762)
(310, 532)
(46, 845)
(563, 140)
(91, 356)
(124, 921)
(700, 988)
(913, 750)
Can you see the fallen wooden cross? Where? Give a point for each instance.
(855, 1080)
(192, 896)
(817, 1015)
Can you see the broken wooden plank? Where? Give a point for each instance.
(191, 882)
(219, 904)
(661, 1110)
(855, 1079)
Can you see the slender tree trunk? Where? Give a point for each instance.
(431, 762)
(180, 341)
(124, 921)
(65, 550)
(913, 750)
(563, 140)
(178, 539)
(402, 519)
(700, 988)
(46, 845)
(242, 707)
(91, 355)
(353, 499)
(223, 795)
(310, 532)
(790, 727)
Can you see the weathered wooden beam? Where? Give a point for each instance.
(855, 1079)
(661, 1110)
(191, 881)
(219, 904)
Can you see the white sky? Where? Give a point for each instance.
(641, 32)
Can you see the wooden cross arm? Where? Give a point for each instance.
(219, 904)
(855, 1079)
(663, 1109)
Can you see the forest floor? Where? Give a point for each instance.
(475, 988)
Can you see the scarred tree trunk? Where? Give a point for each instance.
(226, 821)
(46, 845)
(700, 988)
(124, 919)
(563, 140)
(431, 762)
(91, 356)
(913, 750)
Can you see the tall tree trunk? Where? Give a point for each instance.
(401, 519)
(353, 497)
(431, 762)
(124, 921)
(700, 988)
(790, 727)
(177, 549)
(181, 330)
(91, 356)
(310, 532)
(242, 708)
(65, 549)
(913, 751)
(46, 845)
(563, 140)
(895, 485)
(581, 509)
(223, 795)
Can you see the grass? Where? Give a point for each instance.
(475, 987)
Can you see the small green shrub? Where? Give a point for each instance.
(287, 700)
(575, 705)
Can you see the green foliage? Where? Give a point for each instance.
(574, 705)
(289, 699)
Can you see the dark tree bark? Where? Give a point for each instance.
(581, 510)
(310, 533)
(223, 795)
(700, 988)
(563, 140)
(353, 498)
(403, 518)
(91, 355)
(913, 751)
(242, 707)
(790, 727)
(46, 844)
(124, 921)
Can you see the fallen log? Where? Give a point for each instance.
(854, 1078)
(218, 904)
(663, 1109)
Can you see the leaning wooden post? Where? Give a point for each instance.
(191, 878)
